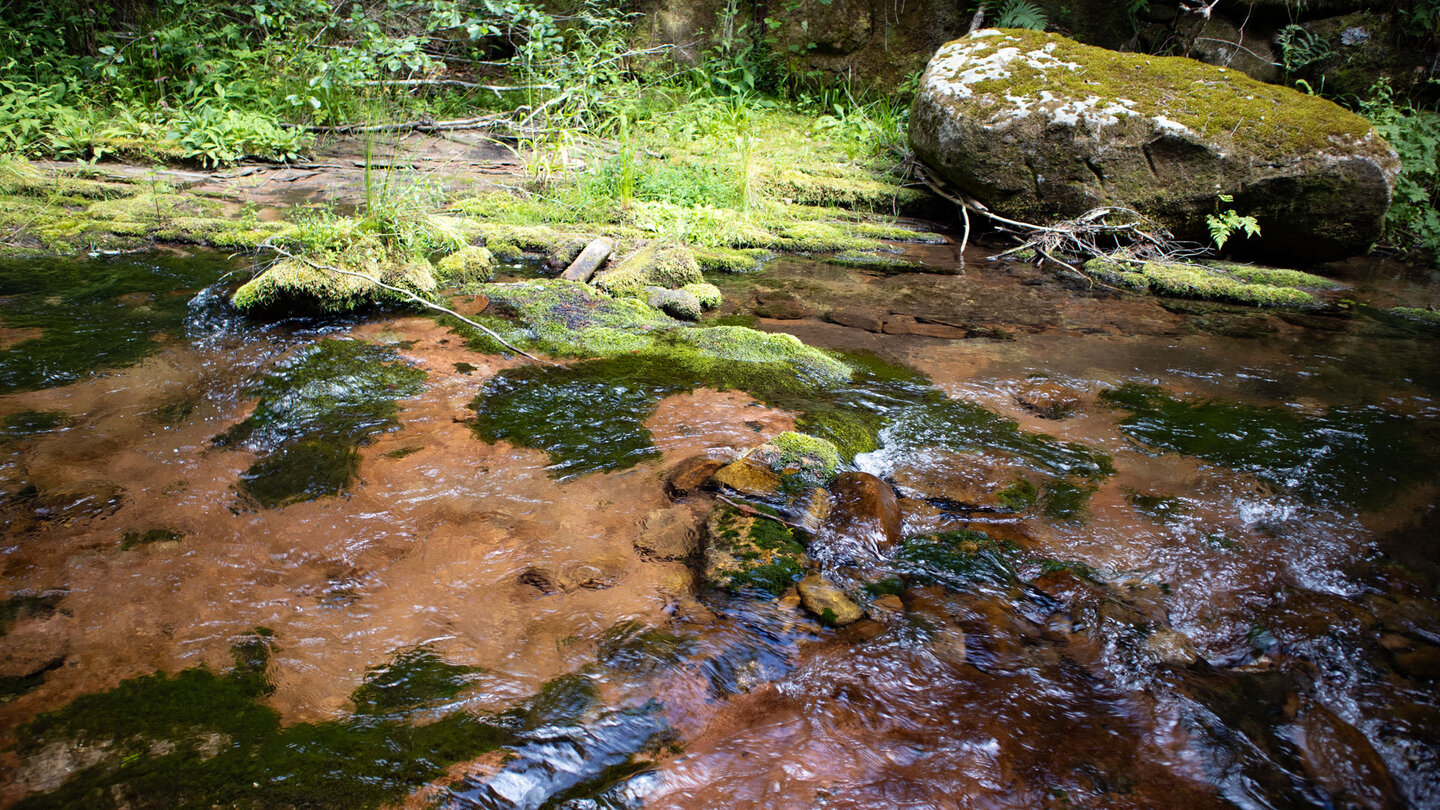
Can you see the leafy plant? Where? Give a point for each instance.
(1413, 219)
(1299, 48)
(1227, 223)
(1018, 14)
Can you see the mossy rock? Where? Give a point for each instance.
(708, 295)
(655, 265)
(296, 283)
(1212, 281)
(1040, 127)
(467, 265)
(801, 460)
(680, 304)
(751, 553)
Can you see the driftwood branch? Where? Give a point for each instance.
(408, 294)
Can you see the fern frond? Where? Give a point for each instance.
(1021, 14)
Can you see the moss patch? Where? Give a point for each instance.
(415, 679)
(199, 738)
(748, 553)
(132, 539)
(1223, 106)
(958, 559)
(314, 411)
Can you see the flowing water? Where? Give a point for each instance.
(353, 563)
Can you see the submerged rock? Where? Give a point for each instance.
(1049, 400)
(967, 481)
(749, 476)
(691, 474)
(1038, 127)
(669, 534)
(864, 512)
(830, 604)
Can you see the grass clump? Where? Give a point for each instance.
(314, 412)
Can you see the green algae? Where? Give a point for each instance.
(23, 425)
(28, 606)
(1362, 456)
(132, 539)
(620, 393)
(314, 411)
(416, 678)
(199, 738)
(1065, 500)
(1018, 496)
(761, 556)
(1212, 281)
(1161, 508)
(958, 559)
(963, 427)
(94, 314)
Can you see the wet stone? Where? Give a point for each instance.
(871, 320)
(1049, 400)
(749, 552)
(967, 481)
(910, 325)
(1171, 647)
(865, 511)
(829, 604)
(691, 474)
(748, 476)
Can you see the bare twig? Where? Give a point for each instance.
(747, 509)
(409, 295)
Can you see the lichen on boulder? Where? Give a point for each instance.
(1040, 127)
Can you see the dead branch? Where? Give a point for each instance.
(750, 511)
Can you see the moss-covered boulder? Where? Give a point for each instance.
(312, 285)
(655, 265)
(467, 265)
(1040, 127)
(751, 552)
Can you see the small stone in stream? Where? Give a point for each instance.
(691, 474)
(34, 647)
(748, 476)
(871, 320)
(749, 552)
(669, 534)
(1171, 647)
(816, 508)
(865, 510)
(1049, 400)
(827, 602)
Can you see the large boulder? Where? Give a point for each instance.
(1040, 127)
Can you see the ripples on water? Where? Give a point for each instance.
(1217, 589)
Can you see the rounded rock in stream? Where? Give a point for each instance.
(669, 534)
(864, 511)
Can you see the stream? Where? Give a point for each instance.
(278, 564)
